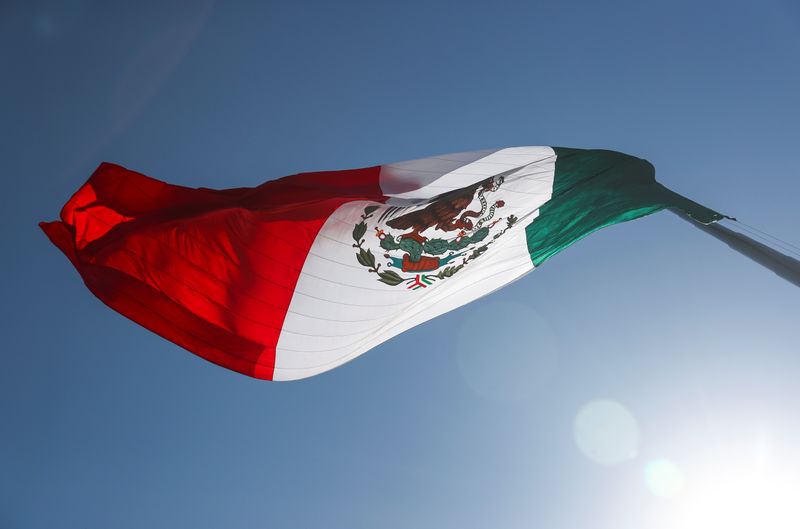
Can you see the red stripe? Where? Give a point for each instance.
(210, 270)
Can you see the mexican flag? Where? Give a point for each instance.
(302, 274)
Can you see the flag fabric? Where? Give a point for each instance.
(302, 274)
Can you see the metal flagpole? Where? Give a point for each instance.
(786, 267)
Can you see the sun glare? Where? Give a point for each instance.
(741, 500)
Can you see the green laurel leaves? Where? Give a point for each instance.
(366, 258)
(359, 230)
(390, 277)
(449, 271)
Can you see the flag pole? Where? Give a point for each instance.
(784, 266)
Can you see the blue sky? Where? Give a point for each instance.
(106, 425)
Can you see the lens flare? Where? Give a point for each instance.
(663, 478)
(507, 352)
(606, 432)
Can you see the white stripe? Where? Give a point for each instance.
(426, 178)
(400, 177)
(340, 310)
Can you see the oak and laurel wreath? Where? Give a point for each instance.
(366, 258)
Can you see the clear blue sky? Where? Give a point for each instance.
(105, 425)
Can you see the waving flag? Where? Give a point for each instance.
(302, 274)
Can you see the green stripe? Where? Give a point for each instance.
(593, 189)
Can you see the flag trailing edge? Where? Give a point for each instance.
(302, 274)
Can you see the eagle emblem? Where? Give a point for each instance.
(424, 244)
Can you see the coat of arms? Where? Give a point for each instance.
(425, 244)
